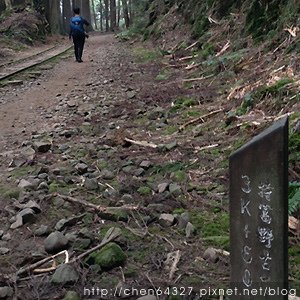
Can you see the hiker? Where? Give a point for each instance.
(78, 33)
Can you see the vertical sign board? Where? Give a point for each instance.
(259, 216)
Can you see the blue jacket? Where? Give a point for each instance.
(77, 26)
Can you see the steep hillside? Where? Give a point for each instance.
(260, 19)
(240, 57)
(20, 28)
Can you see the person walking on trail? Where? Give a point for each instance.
(77, 32)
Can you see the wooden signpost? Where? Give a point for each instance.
(259, 216)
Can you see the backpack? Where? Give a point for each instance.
(76, 24)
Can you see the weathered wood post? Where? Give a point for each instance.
(259, 216)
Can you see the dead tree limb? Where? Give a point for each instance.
(182, 127)
(141, 143)
(191, 46)
(192, 66)
(197, 79)
(98, 208)
(111, 235)
(187, 57)
(206, 147)
(174, 265)
(39, 263)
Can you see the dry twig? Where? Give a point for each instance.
(188, 57)
(34, 266)
(211, 20)
(206, 147)
(174, 265)
(225, 47)
(198, 79)
(192, 66)
(292, 31)
(191, 46)
(141, 143)
(199, 119)
(111, 235)
(98, 208)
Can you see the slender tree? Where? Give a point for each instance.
(101, 15)
(130, 9)
(126, 13)
(66, 14)
(113, 15)
(94, 14)
(86, 10)
(106, 14)
(118, 13)
(53, 16)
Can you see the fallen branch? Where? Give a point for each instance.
(292, 30)
(199, 119)
(98, 208)
(197, 79)
(111, 235)
(166, 240)
(141, 143)
(280, 45)
(174, 265)
(191, 46)
(177, 66)
(137, 232)
(192, 66)
(46, 270)
(188, 57)
(41, 262)
(206, 147)
(211, 20)
(226, 46)
(174, 48)
(179, 81)
(222, 252)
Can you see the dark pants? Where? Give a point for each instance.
(78, 41)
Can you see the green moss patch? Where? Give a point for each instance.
(109, 257)
(212, 227)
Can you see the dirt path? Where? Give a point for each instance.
(23, 110)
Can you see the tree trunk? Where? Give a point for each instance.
(86, 10)
(126, 13)
(118, 13)
(101, 15)
(54, 16)
(76, 3)
(113, 15)
(67, 14)
(106, 14)
(130, 9)
(94, 15)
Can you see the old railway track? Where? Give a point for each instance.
(10, 69)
